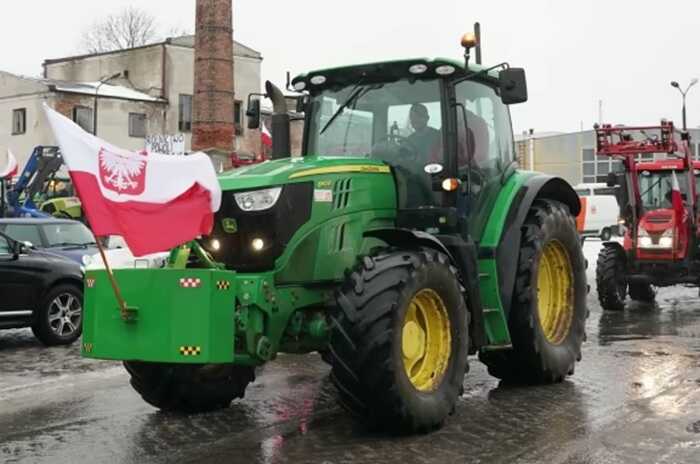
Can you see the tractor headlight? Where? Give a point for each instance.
(645, 242)
(258, 200)
(666, 240)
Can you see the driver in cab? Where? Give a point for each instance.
(425, 140)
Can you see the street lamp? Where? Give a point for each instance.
(103, 81)
(684, 93)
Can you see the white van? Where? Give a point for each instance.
(600, 213)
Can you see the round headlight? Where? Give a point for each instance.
(318, 80)
(215, 245)
(258, 244)
(299, 86)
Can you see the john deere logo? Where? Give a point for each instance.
(229, 225)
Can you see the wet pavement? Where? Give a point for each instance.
(635, 398)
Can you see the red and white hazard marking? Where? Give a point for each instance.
(190, 282)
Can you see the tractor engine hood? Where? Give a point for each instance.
(288, 170)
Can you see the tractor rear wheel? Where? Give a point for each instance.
(399, 340)
(189, 388)
(548, 316)
(642, 292)
(610, 278)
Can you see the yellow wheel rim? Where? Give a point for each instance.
(426, 340)
(555, 296)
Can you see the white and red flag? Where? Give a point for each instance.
(265, 136)
(155, 201)
(10, 168)
(677, 197)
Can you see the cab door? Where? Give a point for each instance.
(485, 150)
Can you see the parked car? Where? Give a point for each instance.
(41, 290)
(119, 256)
(64, 237)
(75, 241)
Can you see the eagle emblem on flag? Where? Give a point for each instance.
(122, 172)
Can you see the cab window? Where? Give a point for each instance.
(486, 141)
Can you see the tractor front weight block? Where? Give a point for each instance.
(181, 316)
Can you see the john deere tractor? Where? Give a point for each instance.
(403, 240)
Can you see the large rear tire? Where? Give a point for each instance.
(189, 388)
(548, 316)
(399, 340)
(610, 278)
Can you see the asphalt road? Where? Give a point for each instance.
(635, 398)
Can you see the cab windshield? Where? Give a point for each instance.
(655, 188)
(399, 122)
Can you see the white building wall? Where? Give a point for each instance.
(143, 64)
(37, 132)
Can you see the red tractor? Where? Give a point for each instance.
(658, 206)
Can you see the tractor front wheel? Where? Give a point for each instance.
(640, 291)
(189, 388)
(610, 278)
(399, 340)
(548, 316)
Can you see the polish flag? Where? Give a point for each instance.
(10, 169)
(676, 197)
(156, 202)
(265, 136)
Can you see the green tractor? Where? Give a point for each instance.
(403, 240)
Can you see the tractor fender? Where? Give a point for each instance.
(462, 254)
(536, 187)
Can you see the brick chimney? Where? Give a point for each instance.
(213, 129)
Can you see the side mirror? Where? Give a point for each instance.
(253, 114)
(611, 181)
(16, 248)
(513, 86)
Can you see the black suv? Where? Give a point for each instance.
(41, 290)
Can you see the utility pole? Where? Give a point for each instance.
(683, 94)
(103, 81)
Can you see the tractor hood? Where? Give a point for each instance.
(287, 170)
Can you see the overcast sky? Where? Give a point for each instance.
(622, 52)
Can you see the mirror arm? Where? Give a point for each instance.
(469, 76)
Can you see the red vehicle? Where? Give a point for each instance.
(658, 203)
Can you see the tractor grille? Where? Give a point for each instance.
(341, 193)
(236, 229)
(658, 219)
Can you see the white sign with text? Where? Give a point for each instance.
(166, 144)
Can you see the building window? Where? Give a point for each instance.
(237, 105)
(137, 125)
(82, 116)
(595, 168)
(185, 118)
(19, 121)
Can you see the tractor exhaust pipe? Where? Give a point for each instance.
(281, 147)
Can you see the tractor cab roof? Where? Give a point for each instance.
(385, 71)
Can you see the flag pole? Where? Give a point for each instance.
(117, 292)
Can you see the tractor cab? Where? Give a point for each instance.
(663, 230)
(657, 198)
(657, 195)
